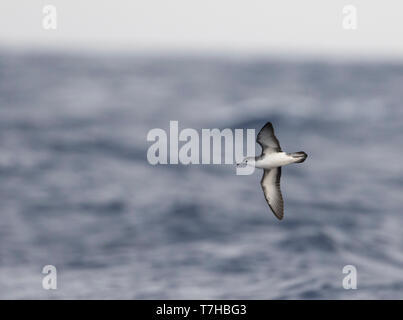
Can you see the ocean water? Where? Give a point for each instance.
(77, 192)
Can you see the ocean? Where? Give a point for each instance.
(77, 191)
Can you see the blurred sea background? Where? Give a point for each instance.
(78, 193)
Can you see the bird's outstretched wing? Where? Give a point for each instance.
(268, 140)
(271, 188)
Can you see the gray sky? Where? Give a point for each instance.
(292, 27)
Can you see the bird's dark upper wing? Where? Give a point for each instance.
(271, 188)
(268, 140)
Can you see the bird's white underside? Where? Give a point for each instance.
(274, 160)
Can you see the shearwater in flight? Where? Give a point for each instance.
(271, 160)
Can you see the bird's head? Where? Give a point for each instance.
(249, 161)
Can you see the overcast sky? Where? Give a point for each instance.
(298, 26)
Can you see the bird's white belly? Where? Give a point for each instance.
(274, 160)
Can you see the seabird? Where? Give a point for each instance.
(271, 160)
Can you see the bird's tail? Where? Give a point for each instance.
(299, 156)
